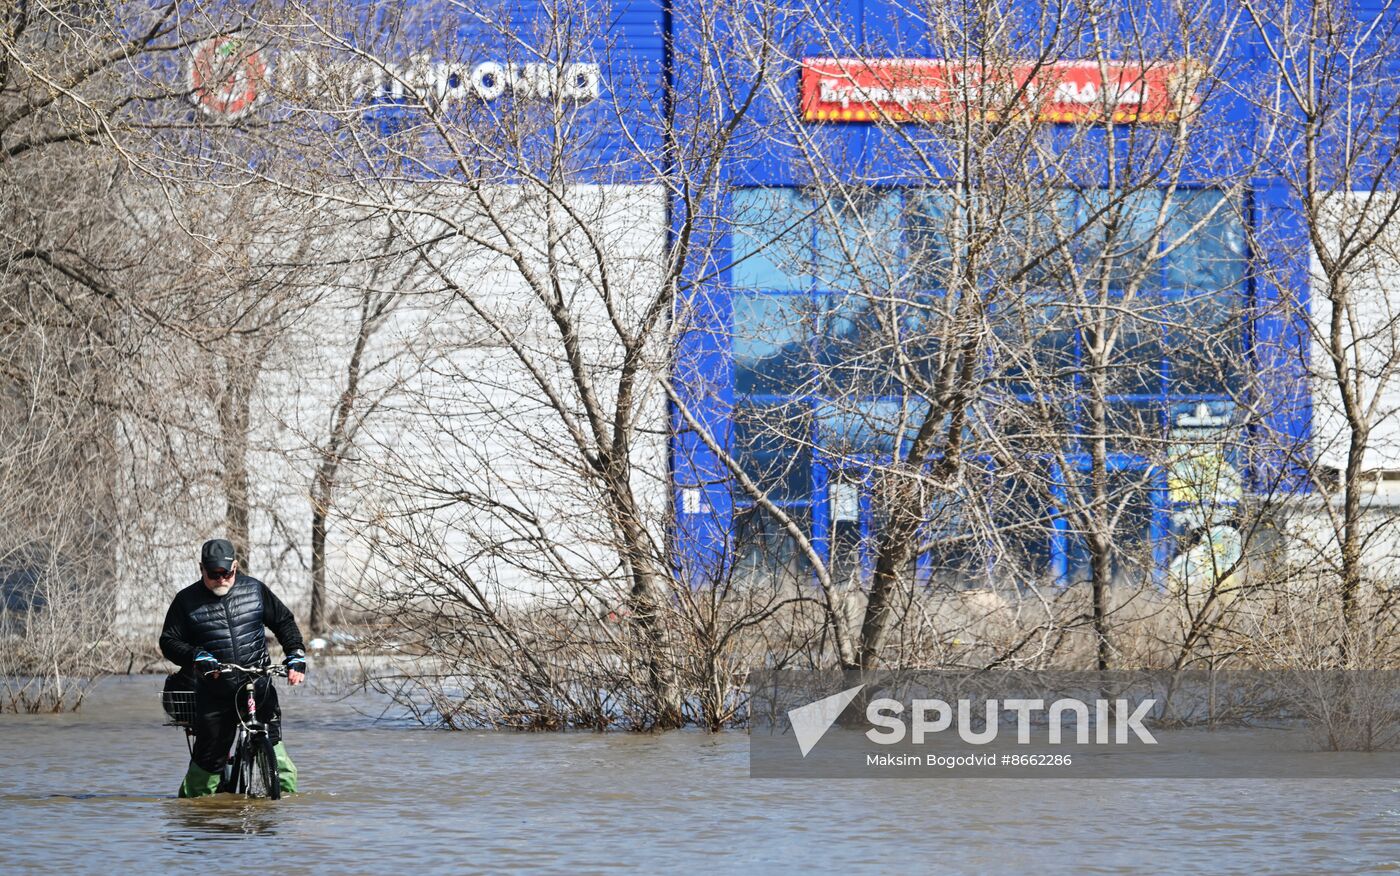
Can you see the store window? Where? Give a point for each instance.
(857, 244)
(773, 446)
(1205, 236)
(1201, 330)
(770, 342)
(1120, 239)
(765, 550)
(1135, 366)
(870, 428)
(1131, 494)
(873, 346)
(843, 306)
(772, 230)
(929, 222)
(1037, 348)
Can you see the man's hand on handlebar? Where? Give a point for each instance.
(206, 663)
(296, 667)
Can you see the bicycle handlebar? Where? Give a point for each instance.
(250, 670)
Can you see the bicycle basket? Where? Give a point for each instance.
(178, 699)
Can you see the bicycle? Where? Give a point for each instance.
(251, 768)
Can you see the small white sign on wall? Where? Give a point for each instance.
(845, 502)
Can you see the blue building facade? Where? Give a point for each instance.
(778, 322)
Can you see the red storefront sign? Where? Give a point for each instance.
(915, 89)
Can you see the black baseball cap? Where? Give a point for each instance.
(217, 555)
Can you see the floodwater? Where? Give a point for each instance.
(94, 792)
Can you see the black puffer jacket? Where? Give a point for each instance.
(230, 626)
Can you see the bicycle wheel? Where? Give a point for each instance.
(259, 763)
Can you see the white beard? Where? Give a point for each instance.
(221, 589)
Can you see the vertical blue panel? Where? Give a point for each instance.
(1278, 348)
(702, 376)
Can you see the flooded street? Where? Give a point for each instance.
(93, 792)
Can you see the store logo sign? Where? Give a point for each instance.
(229, 75)
(930, 90)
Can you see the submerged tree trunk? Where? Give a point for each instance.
(1099, 534)
(1351, 531)
(646, 596)
(323, 486)
(320, 505)
(234, 415)
(879, 610)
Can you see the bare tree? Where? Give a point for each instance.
(375, 303)
(79, 113)
(949, 298)
(1327, 93)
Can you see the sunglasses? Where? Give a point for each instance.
(217, 575)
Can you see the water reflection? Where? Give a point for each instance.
(206, 818)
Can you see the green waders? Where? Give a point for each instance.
(286, 770)
(199, 783)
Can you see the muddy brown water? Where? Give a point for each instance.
(92, 792)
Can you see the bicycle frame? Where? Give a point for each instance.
(249, 729)
(228, 781)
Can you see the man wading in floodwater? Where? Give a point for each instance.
(220, 619)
